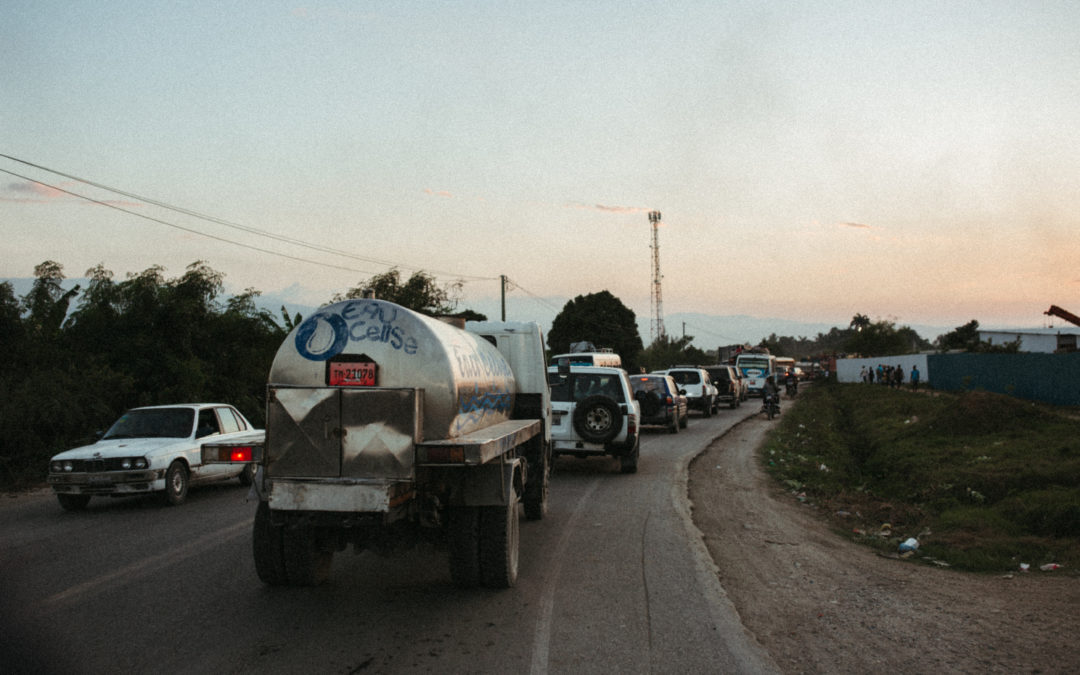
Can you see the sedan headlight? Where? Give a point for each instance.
(68, 466)
(56, 467)
(141, 463)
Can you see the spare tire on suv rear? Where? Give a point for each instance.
(650, 403)
(597, 419)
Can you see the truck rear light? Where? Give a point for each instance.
(668, 400)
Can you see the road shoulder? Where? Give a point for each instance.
(820, 603)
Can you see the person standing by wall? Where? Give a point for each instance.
(914, 378)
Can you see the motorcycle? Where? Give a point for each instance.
(792, 388)
(771, 404)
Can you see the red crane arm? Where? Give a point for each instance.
(1059, 312)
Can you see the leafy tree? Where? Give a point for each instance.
(599, 318)
(666, 352)
(11, 327)
(859, 322)
(882, 338)
(796, 348)
(47, 301)
(420, 292)
(291, 321)
(964, 337)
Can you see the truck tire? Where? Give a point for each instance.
(306, 564)
(535, 500)
(597, 419)
(463, 544)
(707, 409)
(676, 422)
(628, 463)
(267, 545)
(499, 542)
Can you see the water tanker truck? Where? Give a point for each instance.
(387, 427)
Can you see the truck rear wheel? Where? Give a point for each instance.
(267, 545)
(499, 544)
(535, 500)
(463, 543)
(306, 564)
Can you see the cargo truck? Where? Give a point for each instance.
(385, 427)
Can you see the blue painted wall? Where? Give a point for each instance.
(1050, 378)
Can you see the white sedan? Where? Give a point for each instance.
(152, 449)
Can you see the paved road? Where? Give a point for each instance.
(615, 579)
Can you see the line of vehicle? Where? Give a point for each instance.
(542, 635)
(147, 565)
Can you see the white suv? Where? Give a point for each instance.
(698, 386)
(594, 413)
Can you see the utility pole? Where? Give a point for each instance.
(502, 285)
(657, 299)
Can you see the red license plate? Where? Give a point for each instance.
(346, 374)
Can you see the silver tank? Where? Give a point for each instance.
(467, 383)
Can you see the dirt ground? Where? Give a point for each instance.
(822, 604)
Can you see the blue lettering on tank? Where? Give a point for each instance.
(475, 405)
(325, 335)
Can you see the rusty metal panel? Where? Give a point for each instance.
(303, 432)
(380, 430)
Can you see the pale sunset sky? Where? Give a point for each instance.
(917, 161)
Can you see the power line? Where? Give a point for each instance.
(542, 301)
(245, 228)
(185, 229)
(703, 330)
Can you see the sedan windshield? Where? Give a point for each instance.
(153, 423)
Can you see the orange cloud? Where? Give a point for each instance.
(440, 193)
(35, 192)
(38, 193)
(609, 209)
(859, 226)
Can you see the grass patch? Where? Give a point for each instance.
(983, 481)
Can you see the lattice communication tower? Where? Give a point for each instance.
(657, 298)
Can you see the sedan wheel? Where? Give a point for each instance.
(176, 484)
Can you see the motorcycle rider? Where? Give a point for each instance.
(791, 382)
(770, 389)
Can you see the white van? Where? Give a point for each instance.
(605, 359)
